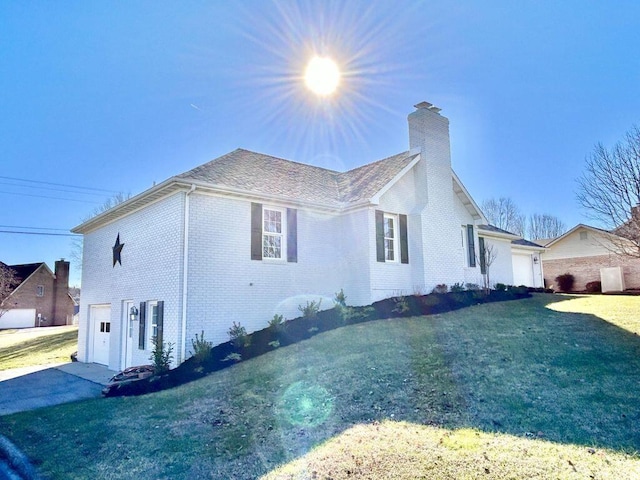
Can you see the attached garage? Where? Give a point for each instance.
(527, 266)
(18, 318)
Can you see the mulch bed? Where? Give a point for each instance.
(298, 329)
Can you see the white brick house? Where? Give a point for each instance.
(247, 235)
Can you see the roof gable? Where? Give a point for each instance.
(24, 271)
(575, 229)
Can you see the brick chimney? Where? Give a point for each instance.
(440, 229)
(62, 305)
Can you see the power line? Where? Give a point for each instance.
(51, 189)
(35, 228)
(58, 184)
(51, 198)
(41, 233)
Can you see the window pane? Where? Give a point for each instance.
(388, 228)
(272, 221)
(154, 320)
(271, 246)
(388, 249)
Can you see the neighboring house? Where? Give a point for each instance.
(583, 252)
(41, 298)
(247, 236)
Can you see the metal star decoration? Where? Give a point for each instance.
(117, 250)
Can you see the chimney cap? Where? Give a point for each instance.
(428, 106)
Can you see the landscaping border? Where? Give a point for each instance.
(302, 328)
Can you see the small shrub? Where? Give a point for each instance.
(565, 282)
(340, 299)
(457, 287)
(274, 344)
(473, 287)
(238, 336)
(519, 290)
(311, 309)
(232, 357)
(430, 300)
(441, 288)
(355, 315)
(201, 349)
(312, 330)
(402, 305)
(161, 356)
(593, 287)
(500, 287)
(276, 321)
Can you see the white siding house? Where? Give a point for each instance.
(246, 236)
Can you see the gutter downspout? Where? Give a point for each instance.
(185, 275)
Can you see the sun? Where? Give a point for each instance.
(322, 76)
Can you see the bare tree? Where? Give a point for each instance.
(8, 281)
(487, 256)
(108, 204)
(609, 190)
(545, 226)
(503, 213)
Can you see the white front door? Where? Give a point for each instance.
(127, 335)
(101, 321)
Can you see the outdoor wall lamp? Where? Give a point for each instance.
(133, 313)
(535, 260)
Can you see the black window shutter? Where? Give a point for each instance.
(404, 241)
(292, 235)
(143, 325)
(471, 245)
(379, 236)
(256, 231)
(160, 321)
(483, 253)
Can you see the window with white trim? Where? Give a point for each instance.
(390, 223)
(153, 319)
(273, 234)
(468, 245)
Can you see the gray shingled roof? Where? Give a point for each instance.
(259, 173)
(493, 228)
(525, 243)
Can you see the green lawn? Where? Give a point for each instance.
(521, 389)
(41, 346)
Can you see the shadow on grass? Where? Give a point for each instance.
(46, 344)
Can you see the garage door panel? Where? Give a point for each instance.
(18, 318)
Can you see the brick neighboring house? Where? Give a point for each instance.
(248, 235)
(583, 251)
(41, 298)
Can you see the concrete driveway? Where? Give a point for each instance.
(36, 387)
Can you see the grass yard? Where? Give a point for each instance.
(37, 346)
(536, 388)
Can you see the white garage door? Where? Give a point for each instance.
(522, 270)
(18, 318)
(101, 321)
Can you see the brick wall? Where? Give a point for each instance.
(587, 269)
(151, 270)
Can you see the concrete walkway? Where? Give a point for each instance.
(36, 387)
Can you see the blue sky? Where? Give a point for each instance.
(104, 97)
